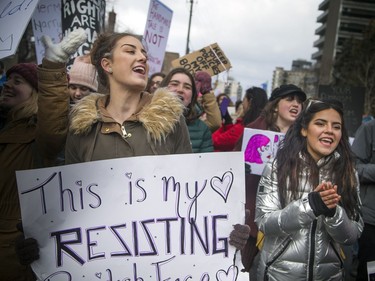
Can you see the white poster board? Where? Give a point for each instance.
(46, 20)
(156, 34)
(139, 218)
(15, 15)
(259, 146)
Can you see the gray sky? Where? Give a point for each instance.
(256, 35)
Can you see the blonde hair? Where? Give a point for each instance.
(27, 108)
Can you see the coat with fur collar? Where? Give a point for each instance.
(157, 128)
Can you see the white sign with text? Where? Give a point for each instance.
(139, 218)
(14, 17)
(46, 20)
(156, 34)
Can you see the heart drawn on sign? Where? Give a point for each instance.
(99, 275)
(79, 183)
(128, 175)
(231, 274)
(222, 185)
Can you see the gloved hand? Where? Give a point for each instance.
(203, 82)
(318, 206)
(227, 119)
(27, 250)
(68, 46)
(247, 168)
(240, 234)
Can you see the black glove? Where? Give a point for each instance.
(247, 168)
(318, 206)
(27, 250)
(227, 119)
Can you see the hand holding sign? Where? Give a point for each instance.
(203, 82)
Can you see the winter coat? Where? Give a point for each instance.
(200, 136)
(26, 143)
(297, 244)
(226, 137)
(157, 128)
(364, 148)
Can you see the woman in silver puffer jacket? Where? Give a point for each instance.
(307, 202)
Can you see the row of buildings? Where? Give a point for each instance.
(339, 20)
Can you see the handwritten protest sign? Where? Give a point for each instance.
(139, 218)
(156, 34)
(259, 146)
(14, 17)
(46, 20)
(210, 59)
(86, 14)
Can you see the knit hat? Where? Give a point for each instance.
(28, 71)
(286, 90)
(82, 73)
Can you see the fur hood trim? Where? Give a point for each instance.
(84, 114)
(159, 116)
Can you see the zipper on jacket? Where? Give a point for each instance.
(312, 251)
(125, 135)
(284, 245)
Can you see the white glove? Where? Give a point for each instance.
(68, 46)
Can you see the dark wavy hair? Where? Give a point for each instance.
(192, 111)
(290, 164)
(258, 100)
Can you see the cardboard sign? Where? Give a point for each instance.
(46, 20)
(259, 146)
(14, 17)
(210, 59)
(137, 218)
(156, 34)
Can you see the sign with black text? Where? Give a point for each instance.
(210, 59)
(138, 218)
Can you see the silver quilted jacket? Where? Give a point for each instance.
(297, 244)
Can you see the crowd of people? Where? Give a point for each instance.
(313, 198)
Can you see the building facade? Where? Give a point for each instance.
(302, 75)
(340, 20)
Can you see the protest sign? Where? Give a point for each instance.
(210, 59)
(46, 20)
(14, 17)
(156, 34)
(259, 146)
(138, 218)
(86, 14)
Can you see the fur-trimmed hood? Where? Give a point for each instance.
(158, 113)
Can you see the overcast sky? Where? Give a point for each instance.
(256, 35)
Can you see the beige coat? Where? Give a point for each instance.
(157, 128)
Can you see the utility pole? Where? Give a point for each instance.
(188, 35)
